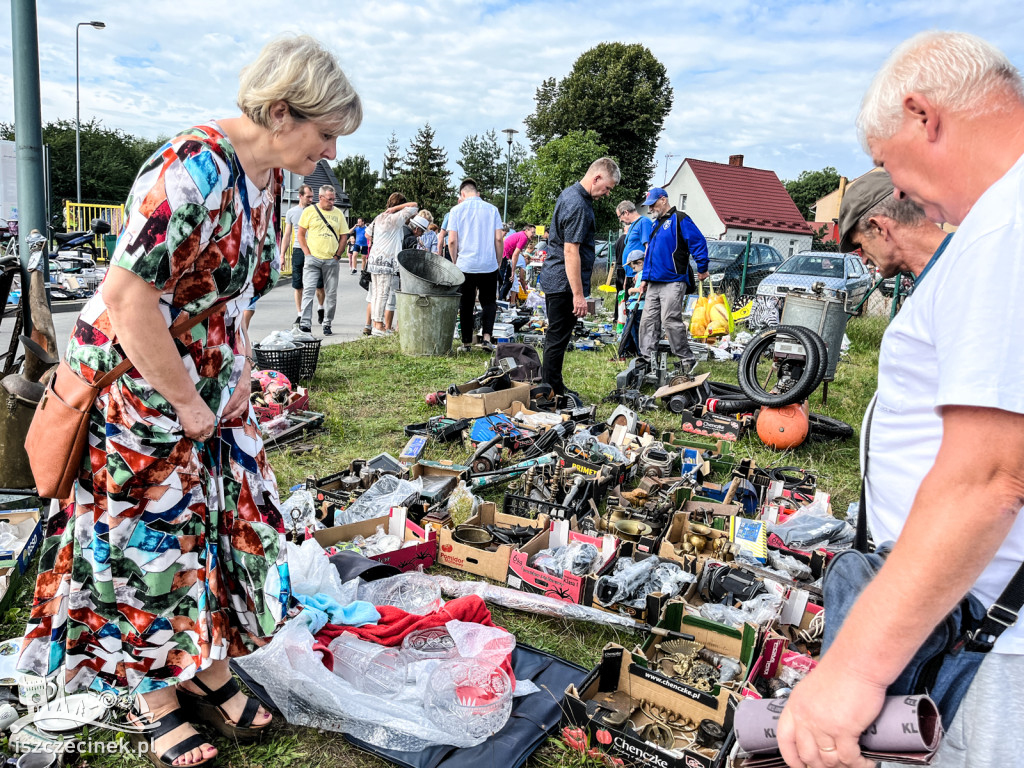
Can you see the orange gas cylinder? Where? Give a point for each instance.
(785, 427)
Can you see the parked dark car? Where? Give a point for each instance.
(725, 263)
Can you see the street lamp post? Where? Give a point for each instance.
(78, 118)
(509, 132)
(667, 156)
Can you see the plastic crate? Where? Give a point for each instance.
(521, 506)
(286, 361)
(310, 358)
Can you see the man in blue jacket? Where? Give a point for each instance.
(667, 277)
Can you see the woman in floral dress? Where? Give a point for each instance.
(169, 557)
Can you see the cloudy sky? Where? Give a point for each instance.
(779, 82)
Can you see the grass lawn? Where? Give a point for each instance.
(370, 391)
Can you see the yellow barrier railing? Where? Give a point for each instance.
(78, 218)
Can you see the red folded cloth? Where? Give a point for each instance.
(395, 624)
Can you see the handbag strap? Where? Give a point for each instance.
(178, 328)
(325, 221)
(1000, 616)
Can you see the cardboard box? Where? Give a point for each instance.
(679, 528)
(737, 643)
(619, 672)
(20, 555)
(465, 406)
(771, 660)
(568, 587)
(482, 562)
(439, 469)
(10, 579)
(420, 546)
(713, 425)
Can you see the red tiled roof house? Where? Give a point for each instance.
(728, 202)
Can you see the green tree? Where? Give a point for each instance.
(424, 175)
(620, 91)
(111, 159)
(362, 185)
(818, 241)
(557, 165)
(810, 186)
(485, 159)
(392, 163)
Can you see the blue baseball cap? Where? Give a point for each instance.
(654, 194)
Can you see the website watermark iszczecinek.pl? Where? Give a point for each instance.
(47, 727)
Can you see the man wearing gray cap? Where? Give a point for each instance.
(945, 453)
(893, 235)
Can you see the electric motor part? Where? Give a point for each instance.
(710, 734)
(655, 461)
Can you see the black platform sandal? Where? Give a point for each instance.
(165, 725)
(209, 709)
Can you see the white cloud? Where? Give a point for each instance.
(779, 82)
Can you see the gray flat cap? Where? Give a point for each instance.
(861, 196)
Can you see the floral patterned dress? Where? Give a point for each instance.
(170, 553)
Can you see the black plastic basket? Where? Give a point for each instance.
(310, 358)
(286, 361)
(521, 506)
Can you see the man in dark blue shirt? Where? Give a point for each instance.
(565, 277)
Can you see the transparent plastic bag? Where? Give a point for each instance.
(299, 511)
(578, 557)
(387, 492)
(462, 504)
(758, 610)
(311, 573)
(413, 592)
(812, 526)
(789, 565)
(379, 543)
(590, 443)
(307, 695)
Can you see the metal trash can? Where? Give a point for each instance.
(825, 315)
(426, 323)
(428, 274)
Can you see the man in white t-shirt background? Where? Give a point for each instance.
(475, 242)
(944, 117)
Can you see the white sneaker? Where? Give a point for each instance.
(378, 332)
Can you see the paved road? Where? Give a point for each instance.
(275, 311)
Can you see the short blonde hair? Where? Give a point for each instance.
(307, 77)
(424, 213)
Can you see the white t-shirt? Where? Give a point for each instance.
(476, 222)
(292, 217)
(959, 340)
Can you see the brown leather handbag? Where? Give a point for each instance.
(59, 431)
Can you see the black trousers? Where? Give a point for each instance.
(561, 322)
(486, 283)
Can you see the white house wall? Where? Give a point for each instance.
(697, 207)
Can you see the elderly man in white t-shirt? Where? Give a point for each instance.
(944, 117)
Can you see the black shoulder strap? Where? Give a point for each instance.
(860, 539)
(325, 221)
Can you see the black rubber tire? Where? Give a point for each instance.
(723, 389)
(823, 362)
(825, 428)
(756, 348)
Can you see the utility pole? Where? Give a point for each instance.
(78, 118)
(664, 181)
(509, 132)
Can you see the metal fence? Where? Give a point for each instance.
(78, 218)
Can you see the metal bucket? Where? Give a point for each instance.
(825, 315)
(18, 401)
(426, 323)
(428, 274)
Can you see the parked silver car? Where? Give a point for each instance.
(838, 274)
